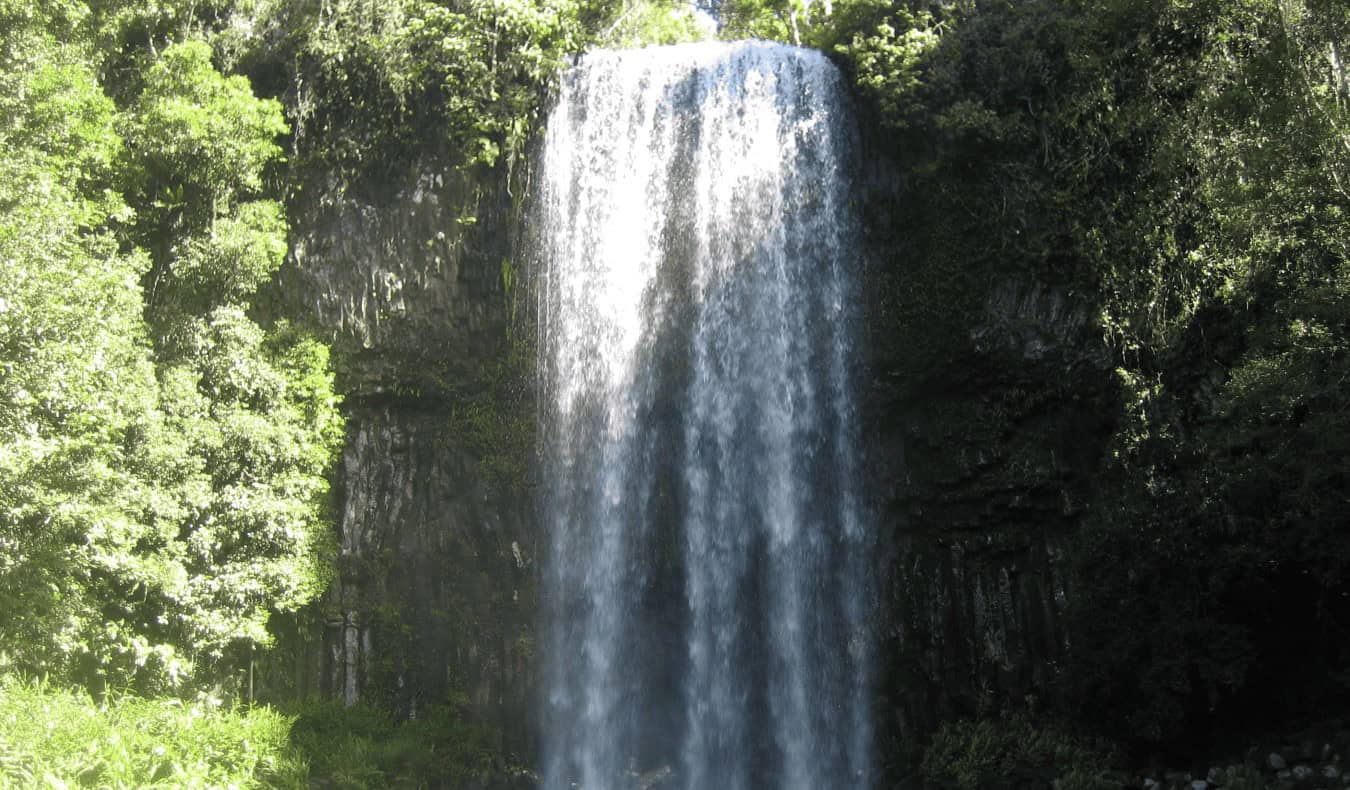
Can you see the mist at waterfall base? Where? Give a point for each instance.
(707, 588)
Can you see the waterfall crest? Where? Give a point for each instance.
(707, 587)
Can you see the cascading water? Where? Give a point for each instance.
(707, 586)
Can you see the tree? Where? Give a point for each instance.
(76, 375)
(163, 461)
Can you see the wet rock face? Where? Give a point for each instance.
(408, 273)
(434, 600)
(975, 619)
(985, 467)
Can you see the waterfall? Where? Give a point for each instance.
(707, 586)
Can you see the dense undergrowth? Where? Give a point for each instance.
(1014, 752)
(53, 737)
(365, 747)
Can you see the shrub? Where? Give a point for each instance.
(365, 747)
(1013, 752)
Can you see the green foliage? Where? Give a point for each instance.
(378, 80)
(889, 58)
(53, 738)
(1013, 752)
(776, 20)
(1230, 461)
(130, 36)
(240, 457)
(76, 376)
(838, 26)
(198, 145)
(227, 264)
(58, 126)
(497, 421)
(655, 22)
(364, 747)
(164, 481)
(491, 57)
(200, 131)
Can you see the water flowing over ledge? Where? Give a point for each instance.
(708, 587)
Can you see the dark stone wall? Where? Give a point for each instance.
(984, 467)
(990, 414)
(435, 589)
(434, 599)
(406, 271)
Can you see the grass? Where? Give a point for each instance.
(57, 738)
(365, 747)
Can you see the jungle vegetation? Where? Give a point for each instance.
(167, 434)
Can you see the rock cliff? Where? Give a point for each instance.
(984, 470)
(434, 600)
(983, 463)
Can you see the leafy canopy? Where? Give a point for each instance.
(163, 459)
